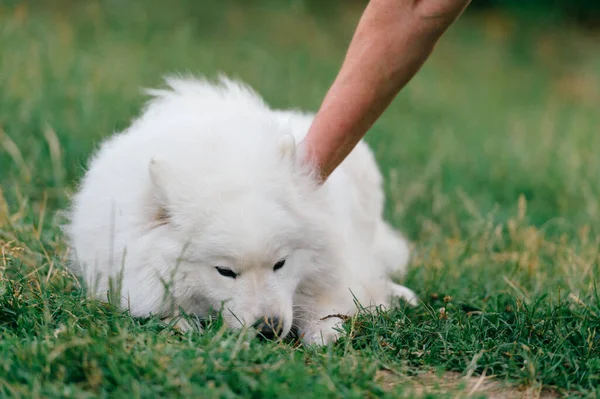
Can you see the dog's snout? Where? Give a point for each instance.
(269, 327)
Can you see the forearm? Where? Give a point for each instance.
(392, 41)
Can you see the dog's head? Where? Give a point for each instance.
(247, 230)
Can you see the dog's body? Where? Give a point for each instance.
(202, 205)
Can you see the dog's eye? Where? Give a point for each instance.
(223, 271)
(279, 265)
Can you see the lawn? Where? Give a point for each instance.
(491, 166)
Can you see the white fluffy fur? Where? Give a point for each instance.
(209, 176)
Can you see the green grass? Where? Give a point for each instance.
(491, 169)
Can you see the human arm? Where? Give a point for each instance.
(392, 41)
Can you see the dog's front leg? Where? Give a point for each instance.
(320, 321)
(323, 331)
(183, 324)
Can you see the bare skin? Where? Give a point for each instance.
(393, 40)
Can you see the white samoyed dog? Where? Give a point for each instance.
(203, 206)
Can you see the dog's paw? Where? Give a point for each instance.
(400, 291)
(182, 325)
(324, 332)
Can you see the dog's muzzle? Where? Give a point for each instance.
(269, 327)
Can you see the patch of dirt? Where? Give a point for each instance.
(461, 386)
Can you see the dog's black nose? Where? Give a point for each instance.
(269, 327)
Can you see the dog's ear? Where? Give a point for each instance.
(160, 176)
(287, 147)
